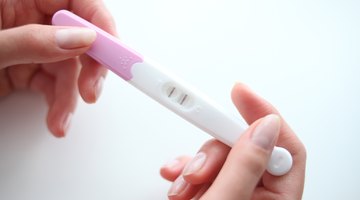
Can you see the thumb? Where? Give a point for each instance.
(246, 161)
(42, 44)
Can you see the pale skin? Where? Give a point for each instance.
(239, 173)
(31, 59)
(39, 57)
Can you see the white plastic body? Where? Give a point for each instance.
(170, 91)
(195, 107)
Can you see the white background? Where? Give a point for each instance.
(303, 56)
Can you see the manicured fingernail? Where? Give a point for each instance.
(172, 164)
(196, 164)
(178, 186)
(72, 38)
(98, 87)
(66, 123)
(266, 132)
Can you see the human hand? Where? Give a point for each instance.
(44, 58)
(218, 172)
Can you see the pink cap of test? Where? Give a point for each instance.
(106, 49)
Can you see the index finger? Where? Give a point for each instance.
(92, 75)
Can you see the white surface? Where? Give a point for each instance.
(303, 56)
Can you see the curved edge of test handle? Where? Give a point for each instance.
(280, 162)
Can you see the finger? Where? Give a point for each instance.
(5, 84)
(21, 75)
(96, 12)
(65, 96)
(49, 7)
(42, 44)
(252, 107)
(93, 74)
(205, 166)
(201, 191)
(44, 83)
(91, 10)
(182, 190)
(171, 170)
(246, 162)
(199, 171)
(91, 79)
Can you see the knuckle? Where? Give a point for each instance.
(31, 35)
(36, 41)
(21, 75)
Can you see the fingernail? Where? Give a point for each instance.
(98, 87)
(72, 38)
(66, 123)
(196, 164)
(266, 132)
(178, 186)
(172, 164)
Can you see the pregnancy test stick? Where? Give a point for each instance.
(168, 90)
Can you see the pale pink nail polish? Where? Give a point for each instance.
(72, 38)
(66, 123)
(98, 86)
(178, 186)
(196, 164)
(265, 134)
(172, 164)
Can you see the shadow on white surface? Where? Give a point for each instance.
(106, 154)
(22, 129)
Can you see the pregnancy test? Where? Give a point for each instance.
(168, 90)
